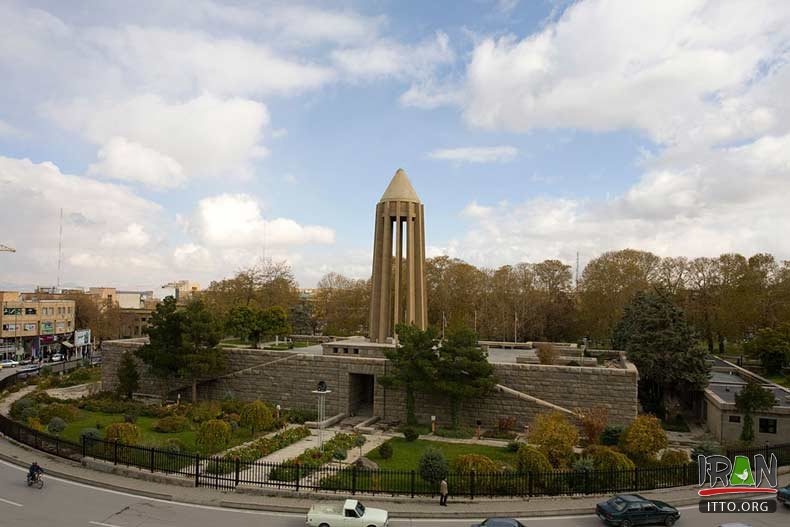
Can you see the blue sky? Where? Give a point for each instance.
(184, 138)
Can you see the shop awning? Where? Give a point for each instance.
(67, 344)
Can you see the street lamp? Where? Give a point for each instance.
(321, 392)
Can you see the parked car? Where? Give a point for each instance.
(57, 357)
(350, 513)
(499, 522)
(632, 509)
(8, 363)
(783, 496)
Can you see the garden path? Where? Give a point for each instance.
(5, 404)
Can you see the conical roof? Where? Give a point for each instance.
(400, 189)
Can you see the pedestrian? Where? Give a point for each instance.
(443, 492)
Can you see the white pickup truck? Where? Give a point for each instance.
(350, 513)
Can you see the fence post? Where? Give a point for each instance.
(115, 453)
(84, 441)
(529, 483)
(472, 478)
(298, 475)
(238, 470)
(412, 483)
(197, 470)
(152, 460)
(353, 480)
(636, 479)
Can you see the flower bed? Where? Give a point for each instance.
(258, 449)
(311, 459)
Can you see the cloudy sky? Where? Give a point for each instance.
(183, 139)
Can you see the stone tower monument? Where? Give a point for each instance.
(399, 286)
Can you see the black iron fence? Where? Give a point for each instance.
(48, 443)
(782, 453)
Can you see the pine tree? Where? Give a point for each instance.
(128, 376)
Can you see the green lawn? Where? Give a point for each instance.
(781, 380)
(149, 437)
(406, 455)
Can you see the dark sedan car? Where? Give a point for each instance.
(783, 496)
(633, 509)
(499, 522)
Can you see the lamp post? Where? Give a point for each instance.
(321, 392)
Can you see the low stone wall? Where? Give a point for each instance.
(287, 378)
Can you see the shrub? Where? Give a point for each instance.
(475, 463)
(92, 433)
(513, 446)
(205, 411)
(674, 457)
(359, 442)
(706, 448)
(125, 433)
(34, 423)
(257, 416)
(593, 422)
(607, 458)
(583, 463)
(611, 435)
(555, 437)
(547, 353)
(56, 425)
(173, 445)
(231, 406)
(530, 459)
(386, 451)
(28, 412)
(66, 412)
(19, 406)
(300, 416)
(339, 455)
(642, 440)
(213, 435)
(433, 466)
(172, 424)
(410, 434)
(461, 432)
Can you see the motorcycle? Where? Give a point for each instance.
(35, 481)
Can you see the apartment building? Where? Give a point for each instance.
(35, 328)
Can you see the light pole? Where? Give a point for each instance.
(321, 392)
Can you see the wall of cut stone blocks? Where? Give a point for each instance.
(287, 378)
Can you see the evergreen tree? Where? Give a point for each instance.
(463, 370)
(183, 343)
(128, 376)
(657, 338)
(412, 364)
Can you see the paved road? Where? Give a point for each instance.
(64, 503)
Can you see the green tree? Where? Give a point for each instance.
(772, 347)
(183, 343)
(462, 370)
(657, 338)
(128, 376)
(752, 398)
(555, 437)
(257, 416)
(433, 466)
(412, 365)
(643, 438)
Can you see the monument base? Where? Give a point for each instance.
(357, 347)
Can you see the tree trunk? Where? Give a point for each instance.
(411, 418)
(721, 344)
(194, 391)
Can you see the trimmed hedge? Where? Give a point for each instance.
(171, 424)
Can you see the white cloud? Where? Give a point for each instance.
(476, 154)
(676, 70)
(129, 161)
(104, 226)
(133, 237)
(166, 141)
(474, 210)
(387, 58)
(235, 220)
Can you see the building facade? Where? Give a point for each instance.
(35, 328)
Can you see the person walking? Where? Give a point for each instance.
(443, 492)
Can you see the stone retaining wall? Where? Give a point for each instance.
(287, 378)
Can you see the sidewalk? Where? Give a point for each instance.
(401, 507)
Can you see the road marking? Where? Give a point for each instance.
(100, 524)
(15, 504)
